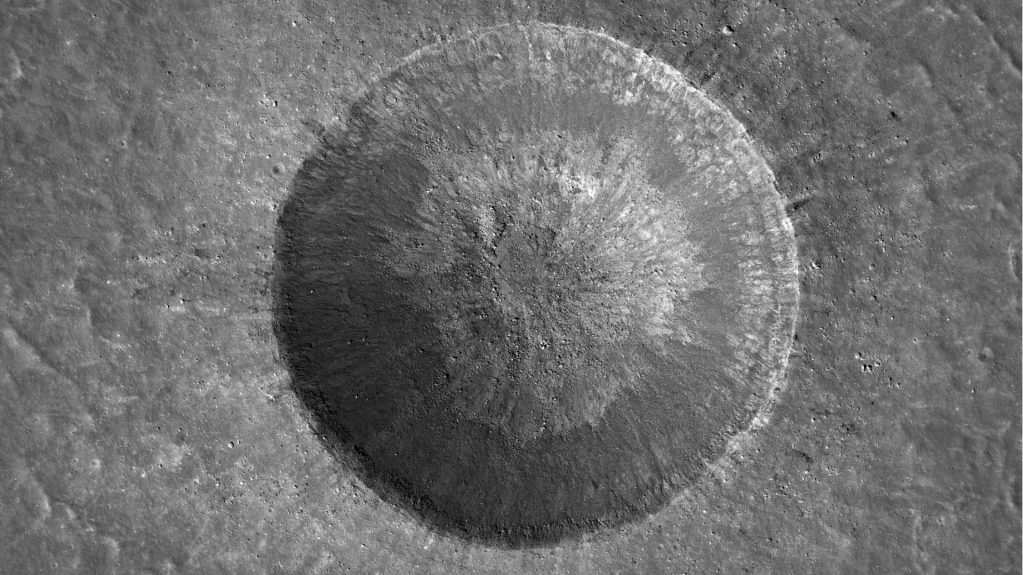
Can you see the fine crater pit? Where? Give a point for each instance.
(535, 284)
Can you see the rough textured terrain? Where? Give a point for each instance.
(148, 424)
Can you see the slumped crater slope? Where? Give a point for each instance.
(536, 283)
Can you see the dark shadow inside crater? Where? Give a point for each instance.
(534, 286)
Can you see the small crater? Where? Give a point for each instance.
(1016, 260)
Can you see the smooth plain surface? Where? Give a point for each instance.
(148, 425)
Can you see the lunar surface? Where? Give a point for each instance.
(538, 281)
(510, 287)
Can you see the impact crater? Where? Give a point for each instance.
(536, 283)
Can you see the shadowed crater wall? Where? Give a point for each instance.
(535, 284)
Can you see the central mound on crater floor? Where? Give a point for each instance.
(536, 283)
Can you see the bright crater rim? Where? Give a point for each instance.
(536, 284)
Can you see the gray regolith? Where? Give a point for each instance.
(537, 282)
